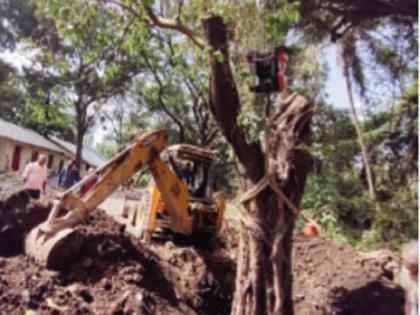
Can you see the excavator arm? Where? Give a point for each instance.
(143, 152)
(175, 194)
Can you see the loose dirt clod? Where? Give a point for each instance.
(113, 273)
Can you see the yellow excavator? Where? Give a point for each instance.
(181, 198)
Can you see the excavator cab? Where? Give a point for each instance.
(193, 166)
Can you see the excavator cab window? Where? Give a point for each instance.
(195, 173)
(203, 181)
(186, 172)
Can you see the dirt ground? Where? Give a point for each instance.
(113, 273)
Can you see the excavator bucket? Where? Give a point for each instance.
(56, 251)
(21, 224)
(55, 242)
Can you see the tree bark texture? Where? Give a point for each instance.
(79, 148)
(81, 130)
(264, 268)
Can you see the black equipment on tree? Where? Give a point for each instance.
(270, 69)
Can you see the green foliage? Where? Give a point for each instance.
(252, 119)
(224, 170)
(18, 21)
(336, 194)
(173, 91)
(143, 180)
(107, 150)
(26, 101)
(380, 46)
(397, 222)
(280, 19)
(50, 119)
(12, 101)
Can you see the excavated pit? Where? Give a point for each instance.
(113, 273)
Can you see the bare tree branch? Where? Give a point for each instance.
(162, 102)
(125, 31)
(124, 6)
(174, 24)
(211, 136)
(163, 22)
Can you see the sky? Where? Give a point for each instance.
(336, 83)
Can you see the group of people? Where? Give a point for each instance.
(35, 176)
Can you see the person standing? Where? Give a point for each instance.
(68, 176)
(409, 277)
(187, 174)
(34, 177)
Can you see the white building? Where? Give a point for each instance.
(19, 146)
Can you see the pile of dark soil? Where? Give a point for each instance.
(336, 279)
(113, 273)
(18, 215)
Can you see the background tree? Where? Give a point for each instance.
(336, 193)
(94, 58)
(25, 98)
(19, 21)
(377, 42)
(174, 88)
(378, 35)
(12, 101)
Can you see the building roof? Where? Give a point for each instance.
(88, 156)
(13, 132)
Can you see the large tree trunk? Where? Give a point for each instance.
(264, 277)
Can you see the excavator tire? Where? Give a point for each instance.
(19, 214)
